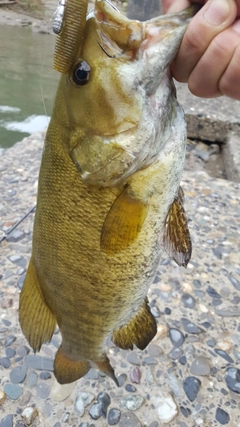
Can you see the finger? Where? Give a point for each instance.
(172, 6)
(205, 79)
(230, 82)
(214, 17)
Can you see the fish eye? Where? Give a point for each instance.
(81, 73)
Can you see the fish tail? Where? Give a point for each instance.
(67, 370)
(139, 331)
(36, 319)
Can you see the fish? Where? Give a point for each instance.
(109, 195)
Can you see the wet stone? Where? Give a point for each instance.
(5, 362)
(232, 379)
(32, 379)
(131, 403)
(133, 358)
(175, 353)
(188, 301)
(224, 355)
(135, 375)
(18, 374)
(7, 421)
(10, 352)
(191, 386)
(176, 337)
(114, 416)
(190, 327)
(121, 379)
(129, 419)
(45, 375)
(130, 388)
(9, 340)
(43, 390)
(200, 366)
(13, 391)
(222, 416)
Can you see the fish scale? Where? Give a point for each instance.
(108, 190)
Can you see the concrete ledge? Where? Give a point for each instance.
(231, 157)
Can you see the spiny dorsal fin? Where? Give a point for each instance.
(176, 236)
(123, 223)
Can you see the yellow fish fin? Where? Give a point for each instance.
(36, 319)
(105, 366)
(123, 223)
(139, 331)
(67, 370)
(176, 236)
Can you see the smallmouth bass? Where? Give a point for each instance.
(109, 195)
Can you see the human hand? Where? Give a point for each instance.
(209, 56)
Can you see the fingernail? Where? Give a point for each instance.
(216, 12)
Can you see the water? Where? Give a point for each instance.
(27, 82)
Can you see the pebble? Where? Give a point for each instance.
(134, 375)
(23, 401)
(129, 420)
(191, 386)
(45, 375)
(182, 360)
(232, 379)
(154, 424)
(154, 350)
(82, 400)
(176, 337)
(13, 391)
(130, 388)
(211, 342)
(175, 353)
(10, 352)
(114, 416)
(23, 350)
(7, 421)
(60, 392)
(234, 282)
(121, 379)
(132, 403)
(32, 379)
(190, 327)
(29, 414)
(222, 416)
(100, 408)
(19, 260)
(43, 390)
(95, 411)
(5, 362)
(212, 293)
(9, 340)
(149, 360)
(18, 374)
(15, 236)
(166, 407)
(133, 358)
(39, 363)
(188, 301)
(224, 355)
(200, 366)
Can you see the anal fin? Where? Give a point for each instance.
(123, 223)
(67, 370)
(139, 331)
(36, 319)
(105, 366)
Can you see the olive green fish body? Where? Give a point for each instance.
(108, 188)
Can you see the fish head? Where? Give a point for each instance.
(110, 91)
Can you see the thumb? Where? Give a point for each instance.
(172, 6)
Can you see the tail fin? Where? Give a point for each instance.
(67, 370)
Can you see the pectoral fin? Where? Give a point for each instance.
(139, 331)
(176, 236)
(36, 319)
(123, 223)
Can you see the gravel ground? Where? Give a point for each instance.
(188, 376)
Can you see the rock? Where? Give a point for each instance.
(130, 388)
(39, 363)
(32, 379)
(176, 337)
(9, 340)
(7, 421)
(166, 407)
(200, 366)
(133, 358)
(182, 360)
(234, 282)
(10, 352)
(23, 401)
(224, 355)
(175, 353)
(60, 392)
(191, 386)
(100, 408)
(29, 414)
(15, 236)
(45, 375)
(95, 411)
(154, 350)
(129, 420)
(222, 416)
(5, 362)
(43, 390)
(19, 260)
(212, 293)
(2, 397)
(13, 391)
(114, 416)
(190, 327)
(135, 375)
(82, 400)
(132, 403)
(18, 374)
(232, 379)
(121, 379)
(188, 301)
